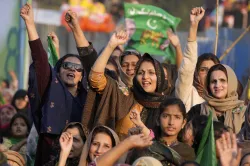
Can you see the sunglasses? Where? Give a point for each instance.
(72, 66)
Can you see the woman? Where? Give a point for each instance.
(146, 94)
(60, 91)
(221, 98)
(6, 113)
(128, 61)
(20, 101)
(170, 71)
(99, 141)
(71, 142)
(190, 82)
(172, 120)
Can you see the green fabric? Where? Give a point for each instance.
(14, 141)
(52, 55)
(206, 154)
(151, 24)
(2, 99)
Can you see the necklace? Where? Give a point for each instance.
(169, 145)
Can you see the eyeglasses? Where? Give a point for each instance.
(203, 69)
(72, 66)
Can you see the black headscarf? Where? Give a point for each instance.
(60, 62)
(150, 101)
(20, 94)
(171, 78)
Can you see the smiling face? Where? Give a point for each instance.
(78, 143)
(100, 145)
(146, 77)
(171, 121)
(129, 64)
(19, 128)
(70, 77)
(218, 84)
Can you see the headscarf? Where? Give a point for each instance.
(147, 161)
(1, 108)
(150, 101)
(171, 78)
(57, 148)
(127, 80)
(230, 105)
(197, 84)
(83, 82)
(20, 94)
(14, 158)
(86, 148)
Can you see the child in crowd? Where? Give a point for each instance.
(19, 131)
(172, 120)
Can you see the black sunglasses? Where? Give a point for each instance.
(72, 66)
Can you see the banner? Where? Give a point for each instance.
(147, 26)
(92, 16)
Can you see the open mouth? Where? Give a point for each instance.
(71, 76)
(146, 84)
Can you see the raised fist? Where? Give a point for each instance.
(196, 14)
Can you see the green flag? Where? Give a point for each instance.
(206, 154)
(52, 55)
(147, 26)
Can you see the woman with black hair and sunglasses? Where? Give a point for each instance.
(57, 95)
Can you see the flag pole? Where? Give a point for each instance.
(217, 28)
(234, 43)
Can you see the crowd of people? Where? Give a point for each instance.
(121, 107)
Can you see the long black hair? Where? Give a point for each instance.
(24, 117)
(168, 102)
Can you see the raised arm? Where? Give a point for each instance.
(136, 119)
(97, 79)
(72, 20)
(28, 17)
(66, 142)
(174, 40)
(184, 82)
(84, 48)
(119, 38)
(14, 80)
(39, 55)
(134, 141)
